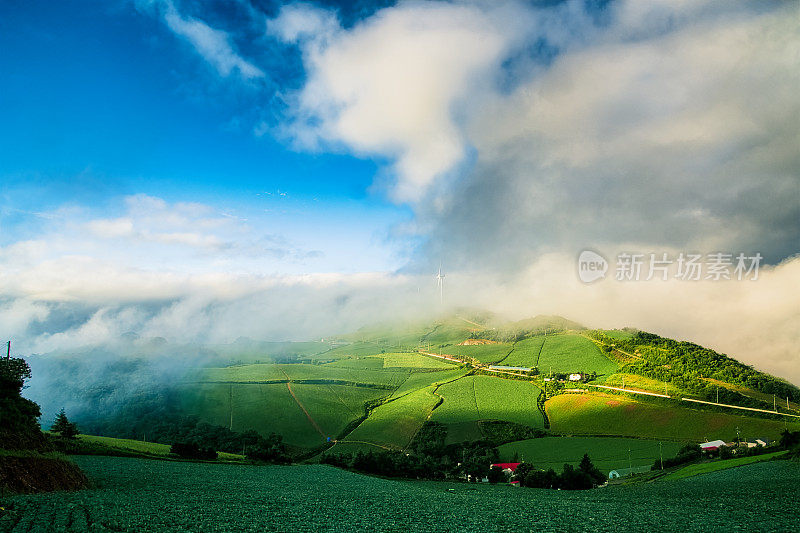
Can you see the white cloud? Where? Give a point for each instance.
(111, 228)
(212, 44)
(392, 86)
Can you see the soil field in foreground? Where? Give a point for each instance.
(150, 495)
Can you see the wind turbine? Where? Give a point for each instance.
(440, 284)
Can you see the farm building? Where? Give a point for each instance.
(712, 446)
(508, 468)
(757, 442)
(575, 377)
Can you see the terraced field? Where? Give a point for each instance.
(356, 349)
(606, 414)
(485, 353)
(413, 360)
(560, 353)
(157, 496)
(508, 399)
(395, 423)
(263, 408)
(418, 380)
(366, 371)
(607, 453)
(526, 352)
(473, 398)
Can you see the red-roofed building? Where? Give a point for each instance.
(712, 446)
(508, 468)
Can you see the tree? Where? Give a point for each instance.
(191, 450)
(63, 426)
(587, 467)
(496, 474)
(789, 439)
(19, 427)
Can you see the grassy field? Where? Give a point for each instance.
(356, 349)
(715, 466)
(459, 403)
(367, 370)
(128, 445)
(359, 362)
(413, 360)
(333, 407)
(418, 380)
(141, 447)
(526, 352)
(157, 496)
(767, 399)
(560, 353)
(574, 353)
(607, 453)
(606, 414)
(488, 398)
(632, 381)
(508, 399)
(268, 408)
(394, 423)
(617, 334)
(474, 398)
(485, 353)
(263, 408)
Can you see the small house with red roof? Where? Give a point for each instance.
(508, 468)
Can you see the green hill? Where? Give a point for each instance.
(375, 389)
(607, 414)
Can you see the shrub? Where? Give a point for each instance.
(191, 450)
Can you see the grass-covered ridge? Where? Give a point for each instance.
(690, 366)
(614, 415)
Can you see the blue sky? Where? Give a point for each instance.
(101, 101)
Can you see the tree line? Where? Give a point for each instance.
(686, 364)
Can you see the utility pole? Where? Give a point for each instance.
(661, 454)
(774, 404)
(8, 353)
(717, 394)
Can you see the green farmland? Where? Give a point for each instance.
(606, 414)
(473, 398)
(607, 453)
(560, 353)
(156, 496)
(485, 353)
(356, 371)
(394, 424)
